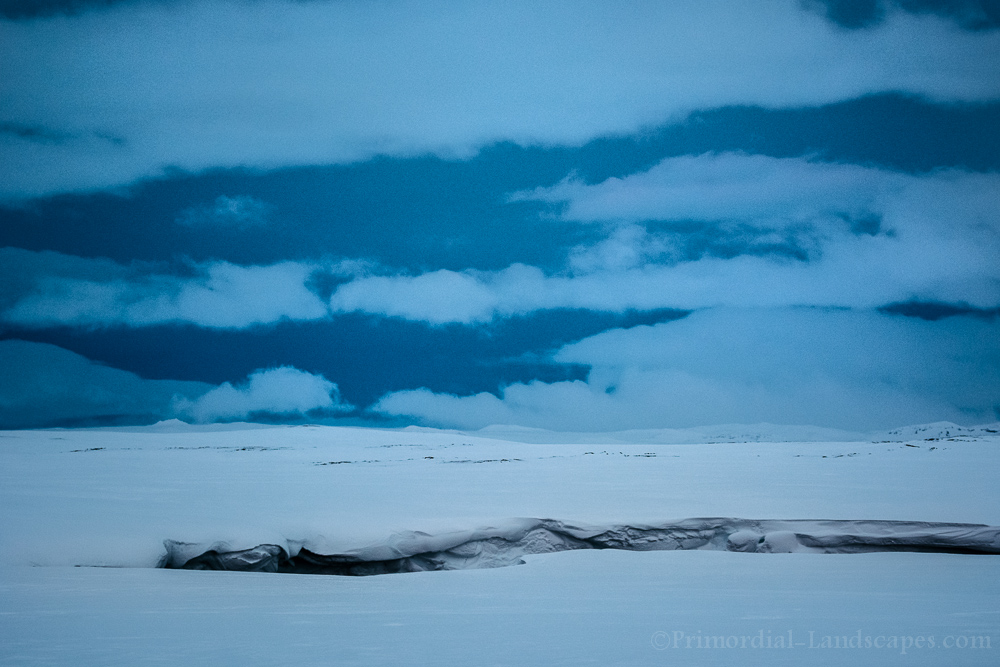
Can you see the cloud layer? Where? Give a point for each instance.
(51, 289)
(692, 232)
(735, 230)
(107, 97)
(282, 391)
(793, 275)
(836, 368)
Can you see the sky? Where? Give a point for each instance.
(582, 216)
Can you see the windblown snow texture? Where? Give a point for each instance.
(505, 545)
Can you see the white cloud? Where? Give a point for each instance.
(844, 369)
(51, 289)
(627, 247)
(736, 230)
(729, 186)
(443, 296)
(132, 90)
(284, 391)
(238, 296)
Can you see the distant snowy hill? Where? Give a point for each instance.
(671, 436)
(737, 433)
(722, 433)
(940, 430)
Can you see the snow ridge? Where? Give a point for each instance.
(507, 543)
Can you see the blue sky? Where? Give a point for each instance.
(577, 216)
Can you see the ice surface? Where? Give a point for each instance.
(577, 608)
(111, 497)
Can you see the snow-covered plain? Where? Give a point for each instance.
(107, 500)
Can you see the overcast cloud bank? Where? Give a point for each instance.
(835, 368)
(105, 98)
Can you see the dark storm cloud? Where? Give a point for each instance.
(42, 135)
(27, 9)
(850, 13)
(969, 14)
(366, 356)
(934, 311)
(239, 211)
(854, 14)
(44, 385)
(34, 133)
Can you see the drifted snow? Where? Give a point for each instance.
(111, 498)
(507, 543)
